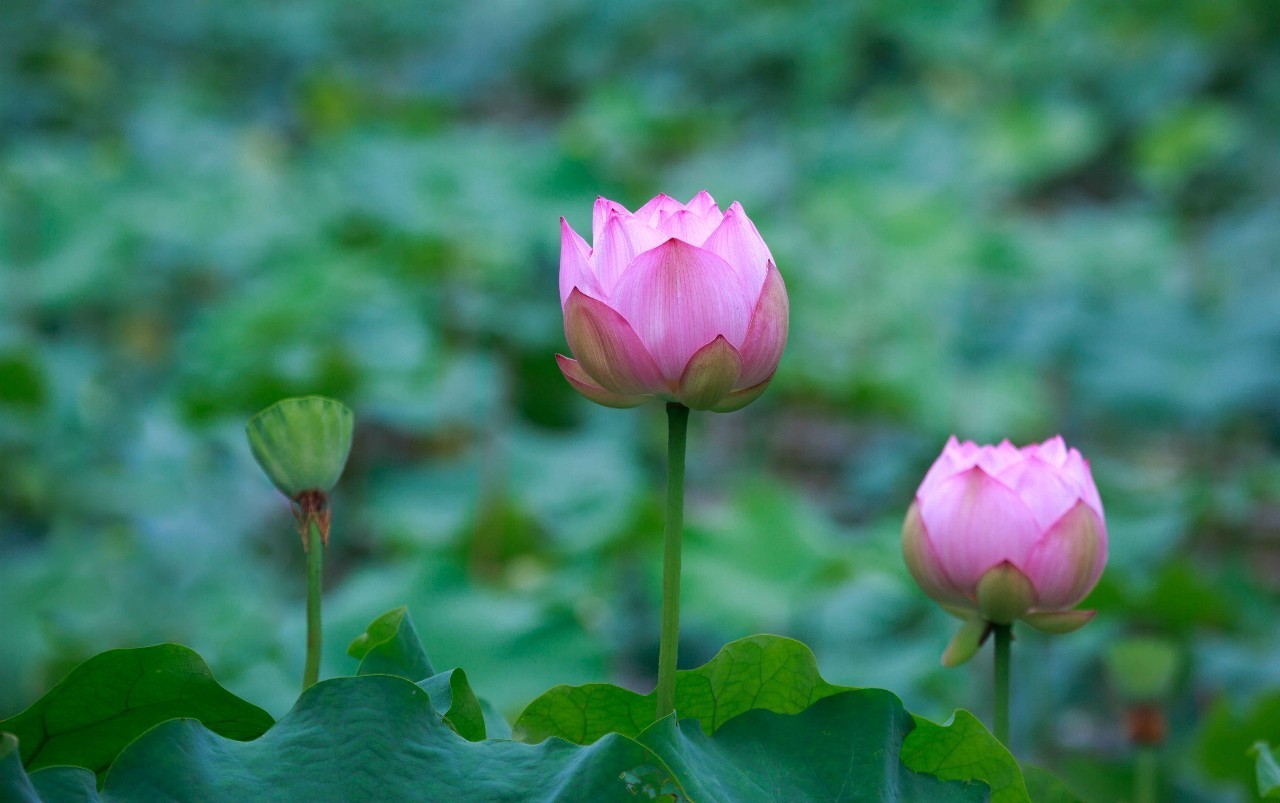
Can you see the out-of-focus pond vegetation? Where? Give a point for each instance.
(998, 219)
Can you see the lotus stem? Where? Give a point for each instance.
(1146, 775)
(1003, 635)
(315, 576)
(669, 642)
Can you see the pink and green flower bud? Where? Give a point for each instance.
(676, 302)
(1006, 534)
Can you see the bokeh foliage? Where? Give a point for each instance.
(994, 218)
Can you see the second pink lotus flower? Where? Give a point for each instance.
(1006, 533)
(678, 302)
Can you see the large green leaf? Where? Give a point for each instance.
(390, 646)
(759, 672)
(764, 673)
(843, 747)
(111, 699)
(380, 737)
(367, 738)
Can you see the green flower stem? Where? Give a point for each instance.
(1145, 781)
(315, 571)
(1003, 634)
(677, 430)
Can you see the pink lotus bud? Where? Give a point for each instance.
(678, 302)
(1005, 533)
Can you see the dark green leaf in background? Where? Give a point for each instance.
(22, 384)
(1227, 735)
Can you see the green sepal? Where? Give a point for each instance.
(964, 645)
(710, 375)
(958, 611)
(741, 398)
(1059, 621)
(1005, 594)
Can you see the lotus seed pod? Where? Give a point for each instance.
(1143, 669)
(302, 444)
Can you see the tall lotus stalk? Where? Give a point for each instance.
(680, 303)
(1143, 672)
(302, 444)
(998, 534)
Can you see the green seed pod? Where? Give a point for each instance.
(1144, 668)
(302, 444)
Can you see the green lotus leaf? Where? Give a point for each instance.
(844, 747)
(116, 696)
(765, 673)
(759, 672)
(375, 737)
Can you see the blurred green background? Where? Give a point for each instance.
(994, 219)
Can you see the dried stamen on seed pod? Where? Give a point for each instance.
(312, 506)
